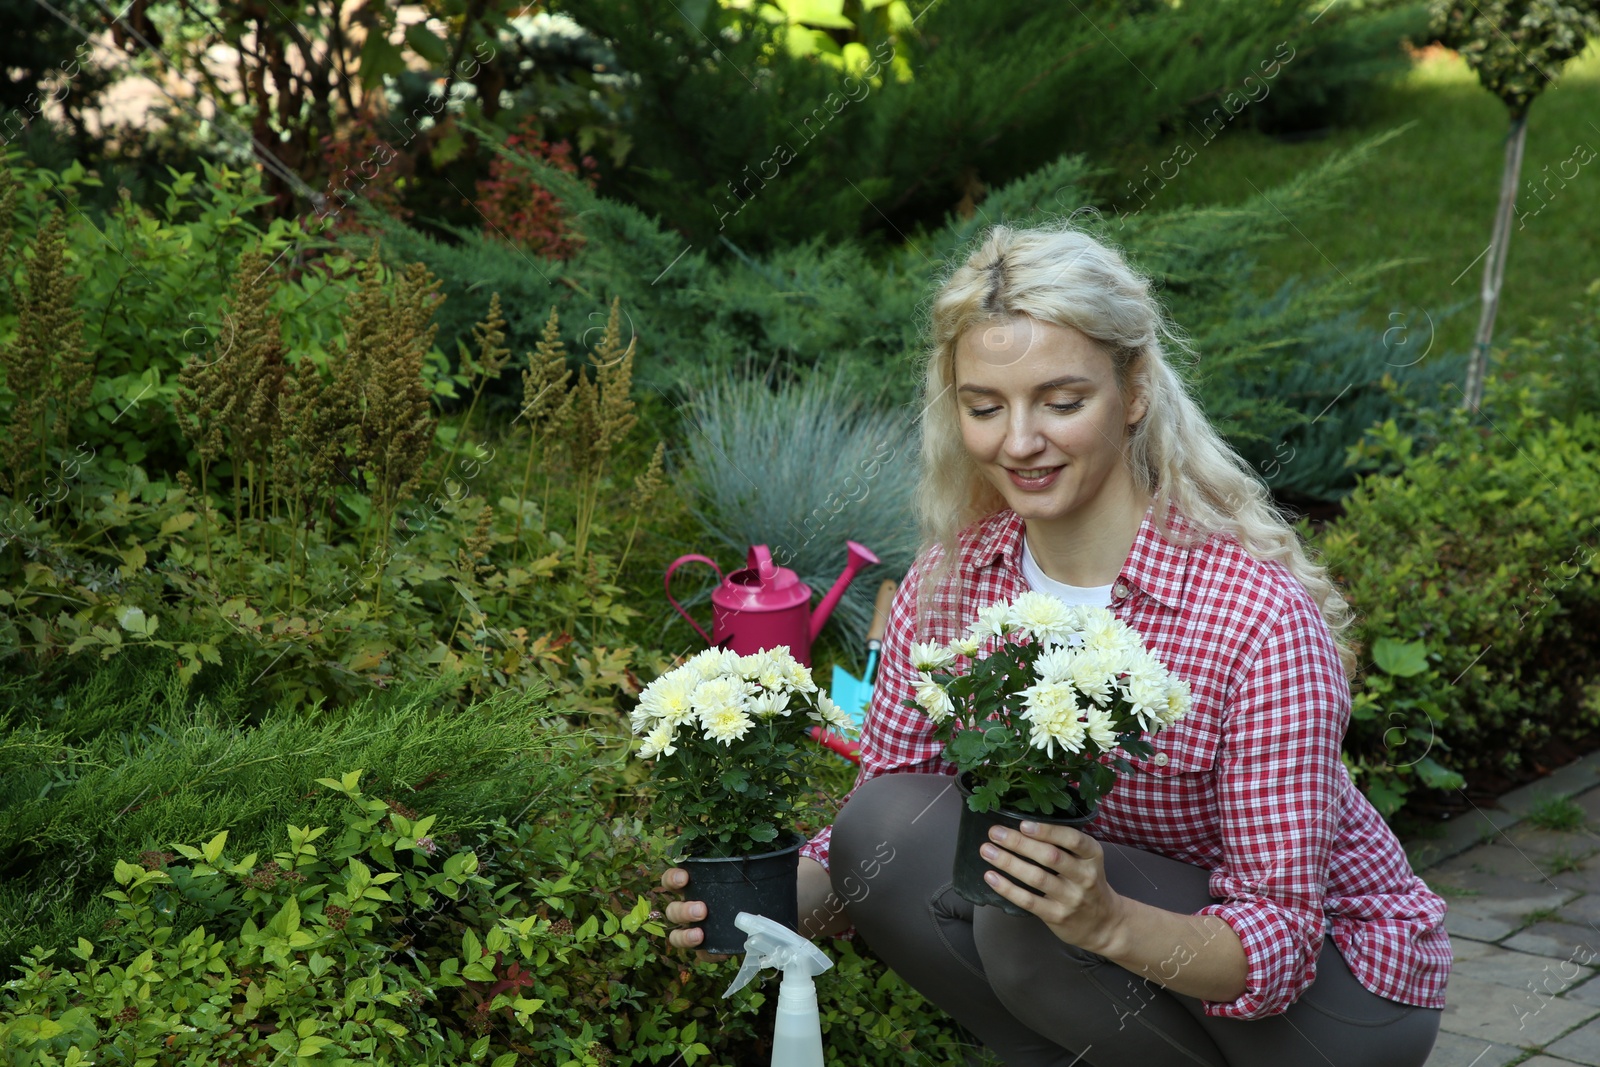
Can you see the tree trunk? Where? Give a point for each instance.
(1494, 268)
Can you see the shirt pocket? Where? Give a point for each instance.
(1186, 748)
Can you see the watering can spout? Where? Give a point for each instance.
(859, 556)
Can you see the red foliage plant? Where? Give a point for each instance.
(360, 166)
(518, 209)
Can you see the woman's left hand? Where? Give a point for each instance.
(1079, 905)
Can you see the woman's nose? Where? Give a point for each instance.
(1022, 436)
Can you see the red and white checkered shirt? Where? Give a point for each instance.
(1248, 785)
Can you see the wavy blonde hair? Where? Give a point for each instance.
(1062, 275)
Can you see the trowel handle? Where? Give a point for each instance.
(880, 611)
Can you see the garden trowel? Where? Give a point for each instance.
(852, 694)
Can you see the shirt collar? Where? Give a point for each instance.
(1155, 566)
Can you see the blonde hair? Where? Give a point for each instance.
(1062, 275)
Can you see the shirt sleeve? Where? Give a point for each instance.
(895, 737)
(1281, 785)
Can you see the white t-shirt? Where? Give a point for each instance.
(1094, 596)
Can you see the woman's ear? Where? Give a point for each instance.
(1137, 408)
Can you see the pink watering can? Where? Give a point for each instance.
(765, 605)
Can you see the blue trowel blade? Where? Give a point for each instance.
(851, 694)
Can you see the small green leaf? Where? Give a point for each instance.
(213, 848)
(1403, 659)
(427, 44)
(1435, 776)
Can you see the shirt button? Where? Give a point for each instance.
(1160, 759)
(1119, 590)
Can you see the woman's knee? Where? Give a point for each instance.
(885, 835)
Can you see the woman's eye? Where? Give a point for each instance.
(1066, 408)
(979, 413)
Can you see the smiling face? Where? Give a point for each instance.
(1043, 418)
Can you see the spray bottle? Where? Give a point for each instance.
(797, 1039)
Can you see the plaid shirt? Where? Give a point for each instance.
(1249, 785)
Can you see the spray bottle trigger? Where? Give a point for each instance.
(771, 944)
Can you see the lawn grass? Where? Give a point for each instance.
(1429, 196)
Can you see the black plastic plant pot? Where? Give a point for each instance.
(972, 832)
(765, 885)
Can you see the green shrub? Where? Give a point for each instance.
(1470, 566)
(933, 107)
(1339, 380)
(834, 308)
(391, 943)
(384, 945)
(1562, 360)
(278, 487)
(162, 298)
(1339, 60)
(131, 759)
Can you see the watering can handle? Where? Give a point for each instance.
(759, 559)
(667, 583)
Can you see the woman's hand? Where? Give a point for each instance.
(682, 912)
(1079, 905)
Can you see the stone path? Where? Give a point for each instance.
(1524, 922)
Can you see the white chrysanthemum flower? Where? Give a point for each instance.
(1094, 672)
(658, 742)
(1146, 699)
(769, 667)
(993, 621)
(718, 694)
(1056, 725)
(931, 656)
(714, 663)
(1044, 617)
(931, 698)
(830, 714)
(642, 719)
(1048, 698)
(1100, 727)
(966, 646)
(768, 705)
(1055, 665)
(799, 677)
(726, 724)
(672, 699)
(1103, 630)
(1179, 700)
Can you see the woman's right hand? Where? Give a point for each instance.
(684, 912)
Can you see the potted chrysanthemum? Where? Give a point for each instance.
(727, 737)
(1039, 705)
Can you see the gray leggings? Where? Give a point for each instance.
(1038, 1002)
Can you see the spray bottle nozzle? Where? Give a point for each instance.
(771, 944)
(797, 1031)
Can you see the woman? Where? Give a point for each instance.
(1237, 902)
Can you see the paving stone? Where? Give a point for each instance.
(1541, 846)
(1487, 866)
(1562, 941)
(1539, 1061)
(1495, 1013)
(1582, 911)
(1517, 970)
(1489, 917)
(1453, 1050)
(1590, 803)
(1587, 993)
(1580, 1046)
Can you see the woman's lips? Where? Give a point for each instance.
(1034, 478)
